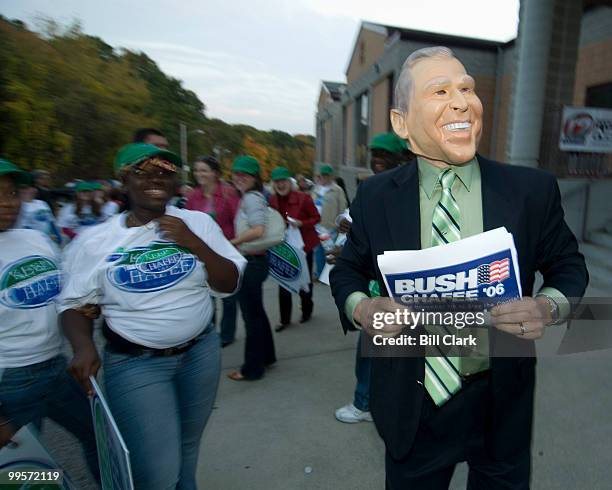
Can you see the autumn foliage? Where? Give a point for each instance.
(68, 101)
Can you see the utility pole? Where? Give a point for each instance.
(183, 135)
(184, 156)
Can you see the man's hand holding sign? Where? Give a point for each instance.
(369, 308)
(526, 318)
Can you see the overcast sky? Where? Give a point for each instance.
(260, 62)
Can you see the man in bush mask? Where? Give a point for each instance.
(480, 410)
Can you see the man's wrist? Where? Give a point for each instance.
(351, 304)
(551, 308)
(563, 306)
(357, 313)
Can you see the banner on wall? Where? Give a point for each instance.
(586, 129)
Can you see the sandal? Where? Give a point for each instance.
(236, 376)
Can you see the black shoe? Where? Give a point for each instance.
(304, 319)
(225, 343)
(281, 327)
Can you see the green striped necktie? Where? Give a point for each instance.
(442, 379)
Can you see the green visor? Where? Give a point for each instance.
(136, 153)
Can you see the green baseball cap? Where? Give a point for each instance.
(82, 187)
(135, 153)
(326, 170)
(20, 176)
(87, 186)
(246, 165)
(388, 142)
(280, 173)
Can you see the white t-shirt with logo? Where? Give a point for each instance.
(68, 218)
(110, 208)
(30, 281)
(152, 292)
(37, 215)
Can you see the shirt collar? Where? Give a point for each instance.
(429, 175)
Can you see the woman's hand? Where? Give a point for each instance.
(294, 222)
(344, 226)
(85, 363)
(175, 229)
(249, 235)
(6, 432)
(333, 255)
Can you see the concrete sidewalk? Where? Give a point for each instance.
(264, 434)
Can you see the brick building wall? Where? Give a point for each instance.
(594, 68)
(380, 107)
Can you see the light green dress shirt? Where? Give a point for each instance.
(467, 191)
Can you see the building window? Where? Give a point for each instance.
(599, 96)
(362, 122)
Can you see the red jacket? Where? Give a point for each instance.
(299, 205)
(225, 205)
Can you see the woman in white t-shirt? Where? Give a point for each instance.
(152, 271)
(34, 382)
(85, 211)
(37, 215)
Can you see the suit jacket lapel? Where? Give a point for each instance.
(402, 208)
(497, 207)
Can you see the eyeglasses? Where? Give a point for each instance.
(152, 173)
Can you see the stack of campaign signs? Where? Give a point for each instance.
(474, 273)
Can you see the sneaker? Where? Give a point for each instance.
(350, 414)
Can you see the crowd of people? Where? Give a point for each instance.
(143, 258)
(144, 261)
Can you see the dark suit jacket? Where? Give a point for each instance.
(386, 216)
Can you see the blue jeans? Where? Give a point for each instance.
(45, 389)
(362, 373)
(259, 345)
(161, 405)
(228, 321)
(319, 259)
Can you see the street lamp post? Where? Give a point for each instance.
(183, 139)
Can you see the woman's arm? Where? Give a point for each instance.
(255, 208)
(223, 274)
(312, 216)
(249, 235)
(78, 329)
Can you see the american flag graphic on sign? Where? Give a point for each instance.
(494, 272)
